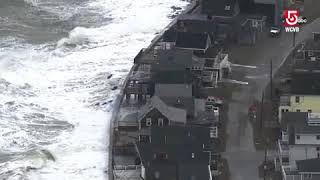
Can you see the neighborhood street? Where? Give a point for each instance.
(242, 157)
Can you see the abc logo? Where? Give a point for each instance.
(291, 18)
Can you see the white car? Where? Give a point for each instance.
(275, 31)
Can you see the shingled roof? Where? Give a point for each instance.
(173, 60)
(309, 165)
(172, 113)
(194, 41)
(184, 155)
(305, 83)
(219, 7)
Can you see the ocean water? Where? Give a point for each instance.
(60, 61)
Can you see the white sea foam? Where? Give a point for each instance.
(71, 85)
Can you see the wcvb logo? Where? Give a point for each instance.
(291, 22)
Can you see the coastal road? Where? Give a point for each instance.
(243, 158)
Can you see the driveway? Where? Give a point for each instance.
(243, 158)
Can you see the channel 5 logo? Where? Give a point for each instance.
(291, 18)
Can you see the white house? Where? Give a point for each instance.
(300, 140)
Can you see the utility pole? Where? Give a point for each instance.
(294, 39)
(265, 162)
(261, 111)
(271, 84)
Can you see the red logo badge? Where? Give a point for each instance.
(291, 18)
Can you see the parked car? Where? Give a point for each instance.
(275, 31)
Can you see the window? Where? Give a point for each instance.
(318, 137)
(161, 156)
(160, 122)
(192, 155)
(298, 110)
(282, 110)
(318, 148)
(287, 110)
(297, 136)
(148, 122)
(297, 99)
(227, 8)
(309, 110)
(310, 53)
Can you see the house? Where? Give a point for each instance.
(224, 8)
(196, 23)
(172, 60)
(156, 113)
(176, 95)
(304, 95)
(300, 139)
(177, 153)
(199, 42)
(308, 169)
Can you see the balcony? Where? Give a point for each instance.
(283, 152)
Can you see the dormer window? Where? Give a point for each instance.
(161, 156)
(227, 8)
(148, 122)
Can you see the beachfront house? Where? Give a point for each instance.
(304, 93)
(197, 42)
(224, 8)
(165, 156)
(300, 140)
(156, 113)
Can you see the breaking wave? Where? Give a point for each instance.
(61, 65)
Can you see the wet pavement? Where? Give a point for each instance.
(243, 158)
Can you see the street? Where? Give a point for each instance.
(242, 157)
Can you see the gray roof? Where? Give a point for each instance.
(172, 77)
(309, 165)
(172, 113)
(179, 143)
(177, 153)
(299, 121)
(174, 59)
(192, 135)
(196, 25)
(190, 171)
(218, 7)
(179, 158)
(196, 41)
(305, 83)
(186, 103)
(173, 90)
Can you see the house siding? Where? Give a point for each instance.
(307, 139)
(306, 102)
(154, 114)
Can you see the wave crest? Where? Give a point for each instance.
(78, 36)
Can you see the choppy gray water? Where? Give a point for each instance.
(59, 61)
